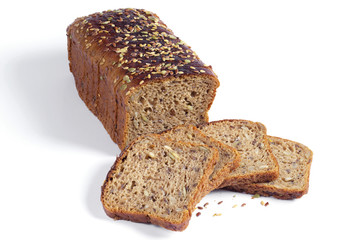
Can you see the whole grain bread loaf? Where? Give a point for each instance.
(228, 158)
(258, 164)
(135, 75)
(158, 181)
(294, 168)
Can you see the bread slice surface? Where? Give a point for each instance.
(158, 181)
(258, 164)
(294, 169)
(228, 158)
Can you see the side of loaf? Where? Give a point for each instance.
(258, 164)
(294, 169)
(136, 76)
(158, 181)
(228, 158)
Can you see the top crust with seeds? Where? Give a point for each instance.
(138, 43)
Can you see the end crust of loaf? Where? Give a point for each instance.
(282, 188)
(201, 188)
(268, 168)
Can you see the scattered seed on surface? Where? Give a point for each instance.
(234, 206)
(266, 204)
(199, 207)
(255, 196)
(220, 202)
(243, 205)
(198, 214)
(206, 204)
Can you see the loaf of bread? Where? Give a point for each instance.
(158, 181)
(294, 168)
(135, 75)
(258, 164)
(228, 158)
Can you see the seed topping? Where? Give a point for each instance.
(142, 45)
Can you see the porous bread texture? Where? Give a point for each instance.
(228, 158)
(295, 161)
(135, 75)
(158, 181)
(258, 164)
(159, 106)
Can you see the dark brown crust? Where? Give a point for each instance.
(108, 65)
(201, 190)
(262, 176)
(272, 191)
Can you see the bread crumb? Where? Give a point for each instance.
(216, 214)
(234, 206)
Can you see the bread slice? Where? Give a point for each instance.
(294, 168)
(228, 158)
(135, 75)
(158, 181)
(258, 164)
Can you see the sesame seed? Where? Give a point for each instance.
(126, 78)
(123, 87)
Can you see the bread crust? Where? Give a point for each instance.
(201, 190)
(113, 53)
(261, 176)
(272, 191)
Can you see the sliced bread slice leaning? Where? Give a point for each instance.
(158, 181)
(294, 168)
(229, 158)
(258, 164)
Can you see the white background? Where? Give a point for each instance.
(293, 65)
